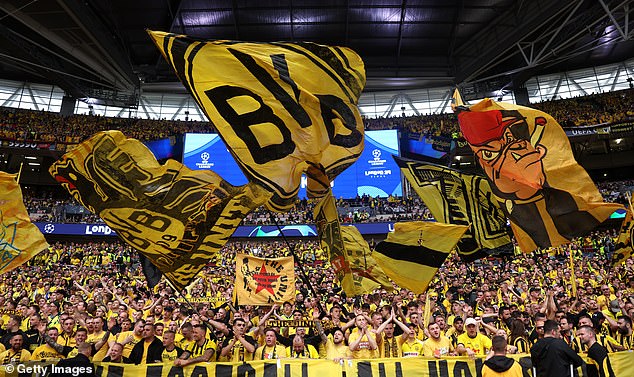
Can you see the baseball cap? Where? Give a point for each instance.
(470, 321)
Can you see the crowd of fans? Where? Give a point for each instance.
(92, 299)
(54, 204)
(40, 126)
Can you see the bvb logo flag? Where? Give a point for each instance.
(461, 199)
(349, 253)
(625, 243)
(549, 198)
(413, 253)
(20, 240)
(281, 108)
(175, 216)
(264, 281)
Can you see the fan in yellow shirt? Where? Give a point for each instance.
(270, 349)
(45, 351)
(362, 342)
(412, 346)
(437, 345)
(15, 354)
(472, 342)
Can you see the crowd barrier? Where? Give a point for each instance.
(622, 363)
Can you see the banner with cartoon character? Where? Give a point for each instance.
(548, 197)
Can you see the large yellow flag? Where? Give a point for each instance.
(281, 108)
(264, 281)
(413, 253)
(549, 198)
(20, 240)
(349, 253)
(176, 217)
(461, 199)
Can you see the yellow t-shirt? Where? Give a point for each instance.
(169, 356)
(94, 338)
(127, 349)
(437, 348)
(45, 352)
(480, 344)
(340, 351)
(412, 348)
(266, 353)
(9, 356)
(364, 351)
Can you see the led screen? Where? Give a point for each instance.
(375, 173)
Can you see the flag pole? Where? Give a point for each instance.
(303, 274)
(19, 172)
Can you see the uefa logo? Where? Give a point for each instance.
(205, 157)
(49, 228)
(376, 154)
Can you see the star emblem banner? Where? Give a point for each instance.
(264, 281)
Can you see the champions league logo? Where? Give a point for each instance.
(204, 164)
(377, 161)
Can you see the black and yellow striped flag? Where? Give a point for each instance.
(177, 217)
(282, 109)
(349, 254)
(461, 199)
(624, 247)
(413, 253)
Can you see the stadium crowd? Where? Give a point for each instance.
(92, 298)
(40, 126)
(54, 204)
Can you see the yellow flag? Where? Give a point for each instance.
(573, 276)
(413, 253)
(281, 108)
(176, 217)
(549, 198)
(349, 254)
(20, 240)
(264, 281)
(461, 199)
(625, 242)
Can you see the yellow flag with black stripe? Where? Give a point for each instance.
(413, 253)
(20, 240)
(264, 281)
(177, 217)
(624, 247)
(282, 109)
(349, 253)
(457, 198)
(526, 155)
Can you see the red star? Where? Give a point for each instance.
(265, 280)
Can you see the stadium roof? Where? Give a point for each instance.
(100, 48)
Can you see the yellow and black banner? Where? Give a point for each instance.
(177, 217)
(461, 199)
(264, 281)
(622, 364)
(549, 198)
(281, 108)
(20, 240)
(349, 253)
(624, 246)
(413, 253)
